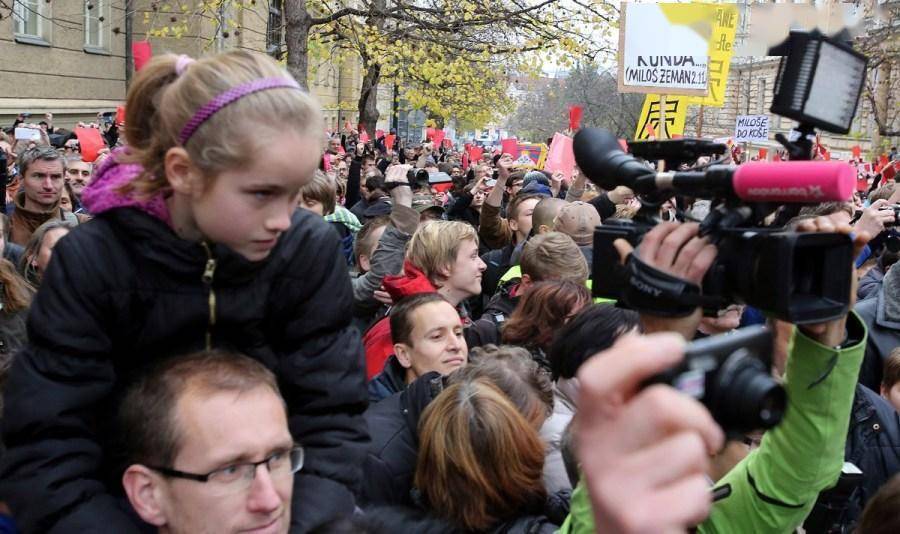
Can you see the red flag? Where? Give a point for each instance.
(763, 152)
(575, 114)
(141, 52)
(90, 141)
(857, 151)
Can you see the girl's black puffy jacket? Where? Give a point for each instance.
(123, 290)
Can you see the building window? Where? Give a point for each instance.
(95, 24)
(30, 23)
(274, 30)
(761, 96)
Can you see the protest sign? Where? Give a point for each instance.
(749, 128)
(90, 141)
(721, 48)
(649, 123)
(664, 48)
(560, 156)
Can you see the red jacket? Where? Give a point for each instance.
(377, 339)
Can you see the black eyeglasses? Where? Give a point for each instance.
(238, 477)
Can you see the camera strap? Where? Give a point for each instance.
(652, 291)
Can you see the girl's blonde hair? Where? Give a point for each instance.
(161, 101)
(435, 245)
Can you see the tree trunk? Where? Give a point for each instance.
(297, 23)
(368, 98)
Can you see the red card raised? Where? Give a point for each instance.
(141, 52)
(475, 154)
(856, 150)
(510, 146)
(763, 152)
(120, 115)
(429, 134)
(438, 137)
(379, 134)
(389, 141)
(90, 141)
(575, 114)
(364, 136)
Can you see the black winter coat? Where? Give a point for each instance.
(873, 445)
(122, 291)
(391, 461)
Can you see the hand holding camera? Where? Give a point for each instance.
(644, 452)
(874, 218)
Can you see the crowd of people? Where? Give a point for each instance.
(268, 329)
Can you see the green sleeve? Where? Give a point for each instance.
(804, 454)
(795, 461)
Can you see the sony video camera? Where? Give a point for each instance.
(801, 278)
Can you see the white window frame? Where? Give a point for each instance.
(40, 11)
(100, 9)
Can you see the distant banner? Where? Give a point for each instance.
(664, 48)
(649, 124)
(750, 128)
(721, 48)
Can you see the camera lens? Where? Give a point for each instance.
(746, 397)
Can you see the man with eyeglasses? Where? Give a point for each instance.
(207, 447)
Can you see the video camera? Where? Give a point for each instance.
(800, 278)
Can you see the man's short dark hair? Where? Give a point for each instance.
(401, 315)
(374, 183)
(146, 422)
(39, 153)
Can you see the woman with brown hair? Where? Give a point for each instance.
(541, 312)
(480, 463)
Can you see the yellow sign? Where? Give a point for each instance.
(721, 47)
(649, 123)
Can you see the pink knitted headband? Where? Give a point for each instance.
(210, 108)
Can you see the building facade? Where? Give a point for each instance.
(68, 57)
